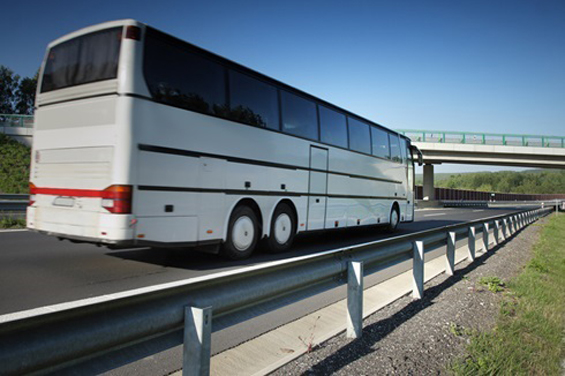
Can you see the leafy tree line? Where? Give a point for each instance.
(533, 182)
(17, 94)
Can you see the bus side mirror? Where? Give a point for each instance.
(417, 151)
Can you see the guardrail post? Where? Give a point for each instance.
(418, 269)
(354, 299)
(450, 253)
(197, 340)
(472, 238)
(485, 237)
(496, 232)
(504, 228)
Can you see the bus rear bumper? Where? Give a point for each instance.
(91, 227)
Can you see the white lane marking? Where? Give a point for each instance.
(480, 210)
(13, 230)
(434, 215)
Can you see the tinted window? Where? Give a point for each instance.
(403, 148)
(89, 58)
(379, 139)
(177, 75)
(298, 116)
(359, 136)
(253, 102)
(395, 148)
(333, 127)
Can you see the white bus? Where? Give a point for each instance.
(142, 139)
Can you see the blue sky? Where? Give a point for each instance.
(488, 66)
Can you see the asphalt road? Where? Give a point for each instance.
(37, 270)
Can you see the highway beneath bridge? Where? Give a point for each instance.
(38, 271)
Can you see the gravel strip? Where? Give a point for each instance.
(423, 337)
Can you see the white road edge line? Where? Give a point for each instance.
(478, 210)
(434, 215)
(14, 230)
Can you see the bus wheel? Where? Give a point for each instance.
(283, 229)
(394, 219)
(242, 234)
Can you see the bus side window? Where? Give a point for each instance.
(299, 116)
(403, 149)
(178, 76)
(253, 101)
(333, 127)
(395, 153)
(359, 136)
(379, 138)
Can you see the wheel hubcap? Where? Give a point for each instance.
(283, 228)
(243, 233)
(394, 218)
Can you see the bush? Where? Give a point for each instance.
(14, 166)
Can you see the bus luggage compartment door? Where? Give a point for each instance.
(317, 188)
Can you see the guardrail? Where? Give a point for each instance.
(13, 203)
(21, 121)
(484, 138)
(97, 334)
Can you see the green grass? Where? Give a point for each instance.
(12, 223)
(14, 166)
(529, 337)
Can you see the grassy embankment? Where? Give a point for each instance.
(529, 337)
(14, 173)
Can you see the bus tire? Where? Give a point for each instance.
(394, 219)
(243, 233)
(283, 229)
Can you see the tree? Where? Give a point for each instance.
(8, 90)
(17, 96)
(25, 97)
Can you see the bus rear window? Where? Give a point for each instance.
(88, 58)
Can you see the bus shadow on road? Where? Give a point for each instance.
(305, 244)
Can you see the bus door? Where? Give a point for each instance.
(317, 188)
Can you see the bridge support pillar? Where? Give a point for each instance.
(429, 192)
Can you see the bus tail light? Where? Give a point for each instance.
(32, 190)
(133, 32)
(117, 199)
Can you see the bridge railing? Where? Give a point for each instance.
(16, 121)
(484, 138)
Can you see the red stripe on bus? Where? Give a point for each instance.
(66, 192)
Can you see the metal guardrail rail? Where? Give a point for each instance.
(97, 334)
(13, 202)
(484, 138)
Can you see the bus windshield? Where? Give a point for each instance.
(88, 58)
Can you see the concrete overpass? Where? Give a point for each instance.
(516, 150)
